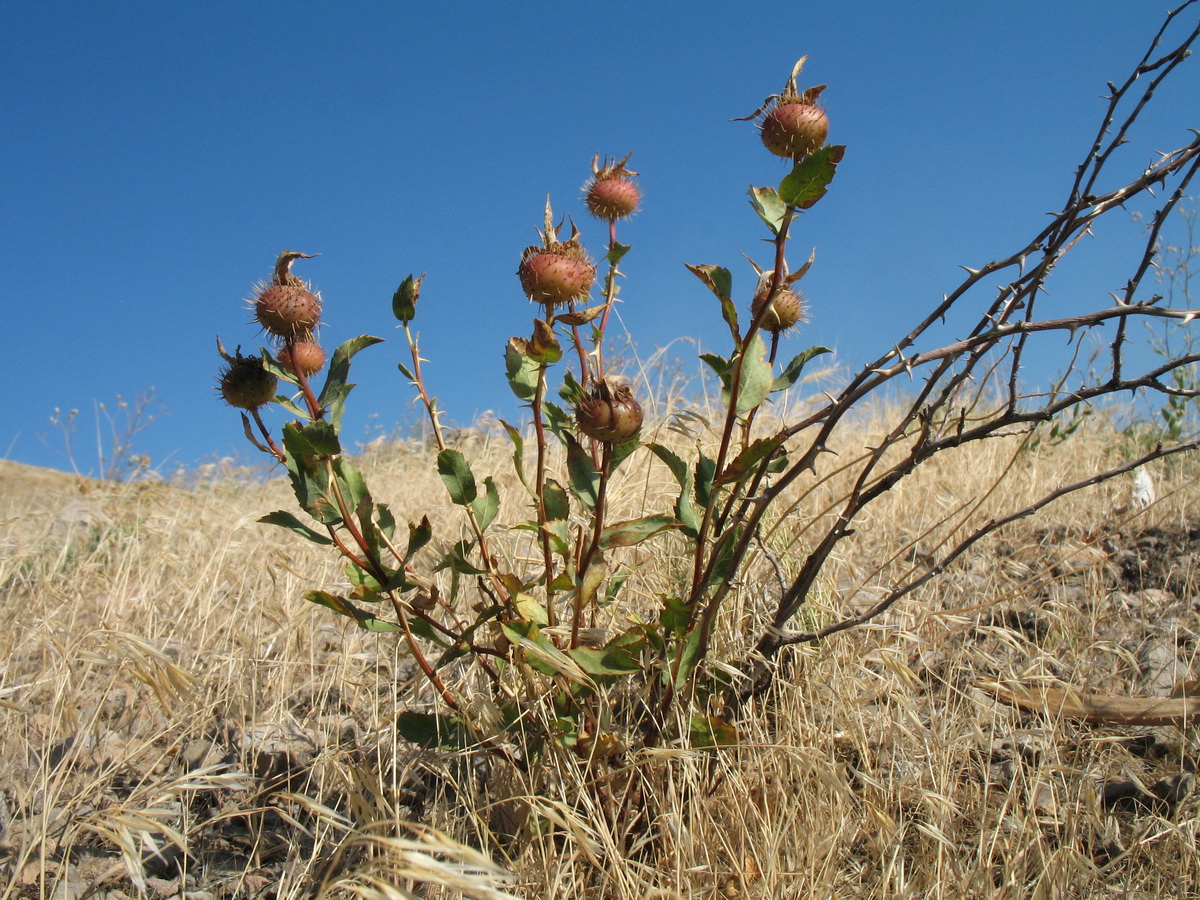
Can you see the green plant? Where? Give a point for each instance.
(560, 658)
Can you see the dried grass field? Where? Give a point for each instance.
(176, 721)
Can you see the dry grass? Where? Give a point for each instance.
(174, 717)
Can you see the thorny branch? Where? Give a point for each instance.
(972, 388)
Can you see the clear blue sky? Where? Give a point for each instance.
(157, 156)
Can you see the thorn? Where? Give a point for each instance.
(973, 272)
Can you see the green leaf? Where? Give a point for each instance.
(688, 656)
(756, 380)
(616, 252)
(720, 282)
(486, 507)
(404, 301)
(791, 372)
(621, 452)
(406, 373)
(711, 732)
(557, 503)
(522, 370)
(706, 470)
(335, 388)
(344, 607)
(543, 655)
(723, 564)
(518, 457)
(557, 420)
(529, 609)
(314, 439)
(718, 364)
(585, 480)
(743, 465)
(354, 484)
(287, 520)
(677, 466)
(432, 731)
(543, 347)
(810, 177)
(769, 206)
(571, 391)
(610, 661)
(457, 475)
(387, 521)
(455, 560)
(675, 616)
(627, 534)
(418, 536)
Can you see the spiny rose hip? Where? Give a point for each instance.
(556, 275)
(609, 413)
(287, 310)
(246, 384)
(785, 310)
(794, 127)
(306, 355)
(610, 194)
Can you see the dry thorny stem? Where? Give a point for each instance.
(972, 389)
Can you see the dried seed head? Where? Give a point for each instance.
(611, 195)
(305, 355)
(609, 413)
(557, 274)
(286, 306)
(287, 311)
(787, 309)
(794, 127)
(246, 384)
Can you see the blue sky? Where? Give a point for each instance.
(159, 155)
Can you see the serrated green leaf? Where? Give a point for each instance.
(557, 420)
(339, 369)
(418, 536)
(287, 520)
(529, 609)
(346, 608)
(616, 252)
(675, 616)
(792, 371)
(718, 364)
(810, 177)
(720, 282)
(584, 479)
(621, 452)
(677, 466)
(455, 559)
(711, 732)
(706, 470)
(404, 301)
(543, 655)
(353, 483)
(486, 507)
(769, 206)
(433, 732)
(314, 439)
(744, 464)
(627, 534)
(518, 456)
(522, 370)
(688, 657)
(756, 379)
(611, 661)
(457, 476)
(571, 391)
(557, 503)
